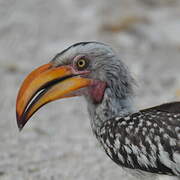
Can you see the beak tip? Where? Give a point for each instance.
(20, 123)
(20, 128)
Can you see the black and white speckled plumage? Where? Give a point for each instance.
(147, 140)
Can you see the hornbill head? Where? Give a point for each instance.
(86, 68)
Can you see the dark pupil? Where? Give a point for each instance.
(81, 63)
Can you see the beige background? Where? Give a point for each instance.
(57, 143)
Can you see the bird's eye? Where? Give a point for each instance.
(82, 64)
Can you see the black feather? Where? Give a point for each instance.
(173, 107)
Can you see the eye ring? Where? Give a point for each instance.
(82, 64)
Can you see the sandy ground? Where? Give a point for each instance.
(58, 143)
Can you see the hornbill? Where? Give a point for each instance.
(146, 140)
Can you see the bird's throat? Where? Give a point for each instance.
(96, 91)
(110, 107)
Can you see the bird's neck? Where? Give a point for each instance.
(110, 107)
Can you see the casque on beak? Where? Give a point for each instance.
(43, 85)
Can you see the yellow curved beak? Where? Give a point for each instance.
(43, 85)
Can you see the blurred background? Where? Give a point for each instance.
(58, 143)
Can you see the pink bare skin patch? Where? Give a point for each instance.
(96, 91)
